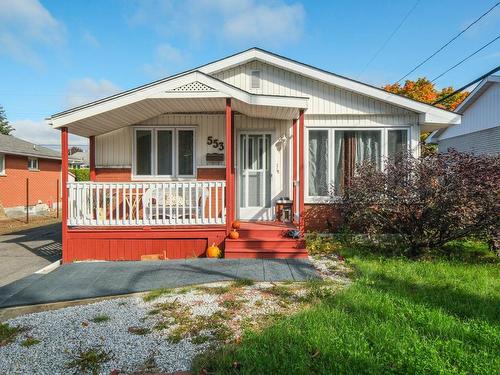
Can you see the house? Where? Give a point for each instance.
(175, 162)
(28, 174)
(79, 160)
(479, 131)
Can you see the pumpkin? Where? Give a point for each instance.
(213, 251)
(234, 235)
(236, 224)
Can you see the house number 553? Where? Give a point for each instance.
(215, 143)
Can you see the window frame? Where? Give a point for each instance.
(250, 83)
(30, 159)
(331, 150)
(154, 153)
(2, 165)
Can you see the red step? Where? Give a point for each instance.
(270, 244)
(253, 253)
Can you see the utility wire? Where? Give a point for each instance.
(449, 42)
(390, 36)
(466, 58)
(467, 85)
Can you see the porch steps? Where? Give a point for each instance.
(265, 240)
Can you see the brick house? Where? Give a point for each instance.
(22, 161)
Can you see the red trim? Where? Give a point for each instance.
(229, 166)
(64, 183)
(302, 193)
(92, 157)
(294, 166)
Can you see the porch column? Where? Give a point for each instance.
(64, 188)
(302, 192)
(294, 172)
(92, 157)
(229, 167)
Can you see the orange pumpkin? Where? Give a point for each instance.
(234, 235)
(236, 224)
(213, 251)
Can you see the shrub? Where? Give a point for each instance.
(425, 202)
(81, 174)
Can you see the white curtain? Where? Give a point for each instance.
(318, 163)
(339, 160)
(368, 147)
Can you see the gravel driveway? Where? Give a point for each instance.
(27, 251)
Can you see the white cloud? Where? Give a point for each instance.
(166, 58)
(25, 26)
(42, 134)
(266, 24)
(238, 21)
(85, 90)
(90, 39)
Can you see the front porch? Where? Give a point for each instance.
(172, 183)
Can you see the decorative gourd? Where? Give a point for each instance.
(213, 251)
(234, 235)
(236, 224)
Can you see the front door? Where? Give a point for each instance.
(254, 176)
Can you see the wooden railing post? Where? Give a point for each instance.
(229, 167)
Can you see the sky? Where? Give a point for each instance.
(58, 54)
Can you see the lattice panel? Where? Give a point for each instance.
(194, 87)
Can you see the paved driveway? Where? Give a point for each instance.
(98, 279)
(27, 251)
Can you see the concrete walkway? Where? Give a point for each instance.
(98, 279)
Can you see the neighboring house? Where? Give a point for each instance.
(479, 131)
(173, 163)
(22, 161)
(79, 160)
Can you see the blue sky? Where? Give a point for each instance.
(58, 54)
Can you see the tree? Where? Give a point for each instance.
(425, 202)
(425, 91)
(74, 150)
(5, 127)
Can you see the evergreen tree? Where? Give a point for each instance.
(5, 127)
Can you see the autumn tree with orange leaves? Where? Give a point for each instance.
(425, 91)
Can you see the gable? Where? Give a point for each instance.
(483, 113)
(323, 98)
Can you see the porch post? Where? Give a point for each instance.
(302, 192)
(229, 167)
(64, 188)
(294, 172)
(92, 157)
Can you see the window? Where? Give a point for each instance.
(255, 79)
(33, 164)
(164, 152)
(2, 165)
(334, 153)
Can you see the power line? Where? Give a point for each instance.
(466, 58)
(390, 36)
(467, 85)
(449, 42)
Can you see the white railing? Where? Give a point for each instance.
(138, 203)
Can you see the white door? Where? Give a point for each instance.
(254, 176)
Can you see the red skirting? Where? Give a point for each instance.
(130, 243)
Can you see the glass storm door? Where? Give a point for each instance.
(254, 176)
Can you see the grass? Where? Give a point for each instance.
(398, 316)
(242, 283)
(100, 319)
(30, 341)
(9, 333)
(89, 360)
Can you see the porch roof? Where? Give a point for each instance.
(192, 92)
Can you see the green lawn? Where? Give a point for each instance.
(399, 316)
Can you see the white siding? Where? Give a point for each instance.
(324, 98)
(483, 114)
(114, 149)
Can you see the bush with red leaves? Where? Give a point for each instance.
(426, 202)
